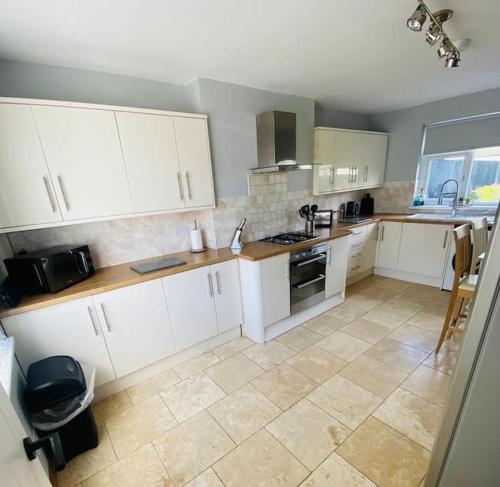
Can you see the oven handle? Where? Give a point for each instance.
(305, 262)
(308, 283)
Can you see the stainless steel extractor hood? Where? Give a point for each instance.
(276, 143)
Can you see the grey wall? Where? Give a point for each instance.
(231, 110)
(30, 80)
(330, 117)
(406, 125)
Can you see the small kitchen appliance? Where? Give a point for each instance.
(367, 205)
(50, 270)
(323, 218)
(352, 209)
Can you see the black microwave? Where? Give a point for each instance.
(49, 270)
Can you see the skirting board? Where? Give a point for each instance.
(276, 329)
(408, 276)
(359, 277)
(167, 363)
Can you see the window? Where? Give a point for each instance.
(476, 171)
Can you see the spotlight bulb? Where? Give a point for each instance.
(417, 19)
(452, 60)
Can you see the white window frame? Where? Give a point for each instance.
(422, 181)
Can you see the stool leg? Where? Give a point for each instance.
(449, 314)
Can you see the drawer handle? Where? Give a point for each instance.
(92, 320)
(63, 192)
(329, 256)
(49, 193)
(105, 318)
(308, 283)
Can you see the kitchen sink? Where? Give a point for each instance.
(445, 216)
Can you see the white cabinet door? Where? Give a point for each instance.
(388, 245)
(336, 266)
(70, 328)
(371, 153)
(85, 160)
(346, 172)
(324, 174)
(194, 160)
(370, 248)
(136, 325)
(190, 302)
(275, 277)
(424, 248)
(226, 279)
(150, 153)
(26, 193)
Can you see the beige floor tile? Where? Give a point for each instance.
(284, 385)
(299, 338)
(316, 363)
(142, 467)
(324, 324)
(207, 479)
(336, 472)
(87, 464)
(111, 405)
(445, 360)
(232, 347)
(384, 455)
(138, 425)
(397, 354)
(412, 416)
(192, 447)
(366, 330)
(427, 321)
(429, 384)
(344, 346)
(437, 308)
(373, 375)
(364, 300)
(234, 372)
(196, 364)
(192, 395)
(244, 412)
(308, 433)
(415, 337)
(269, 354)
(345, 401)
(345, 313)
(393, 285)
(152, 386)
(260, 461)
(392, 313)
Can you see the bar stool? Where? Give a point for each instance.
(464, 283)
(479, 243)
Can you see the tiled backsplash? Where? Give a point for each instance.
(269, 208)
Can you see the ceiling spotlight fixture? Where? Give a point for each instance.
(435, 33)
(418, 18)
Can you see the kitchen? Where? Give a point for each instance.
(227, 274)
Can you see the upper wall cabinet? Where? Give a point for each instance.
(84, 156)
(26, 193)
(348, 159)
(69, 162)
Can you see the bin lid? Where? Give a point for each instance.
(51, 381)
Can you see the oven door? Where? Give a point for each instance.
(307, 282)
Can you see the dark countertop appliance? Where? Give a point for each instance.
(50, 270)
(351, 209)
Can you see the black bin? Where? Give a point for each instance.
(54, 396)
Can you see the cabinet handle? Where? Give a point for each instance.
(287, 271)
(49, 193)
(383, 231)
(179, 182)
(445, 239)
(365, 179)
(217, 282)
(210, 285)
(188, 184)
(63, 191)
(106, 322)
(377, 234)
(332, 175)
(354, 174)
(329, 256)
(92, 320)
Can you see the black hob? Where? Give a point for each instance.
(289, 238)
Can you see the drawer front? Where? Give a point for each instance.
(357, 238)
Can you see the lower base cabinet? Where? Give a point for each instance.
(70, 328)
(136, 325)
(388, 245)
(191, 306)
(336, 266)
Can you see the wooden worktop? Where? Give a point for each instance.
(114, 277)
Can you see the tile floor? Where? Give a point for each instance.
(353, 397)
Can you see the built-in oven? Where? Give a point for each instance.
(307, 277)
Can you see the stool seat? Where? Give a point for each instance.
(469, 283)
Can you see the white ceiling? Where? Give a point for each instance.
(353, 55)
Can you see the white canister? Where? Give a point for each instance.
(196, 240)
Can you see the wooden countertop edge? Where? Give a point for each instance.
(118, 276)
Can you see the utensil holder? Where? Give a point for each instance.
(310, 227)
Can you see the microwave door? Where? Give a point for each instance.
(61, 271)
